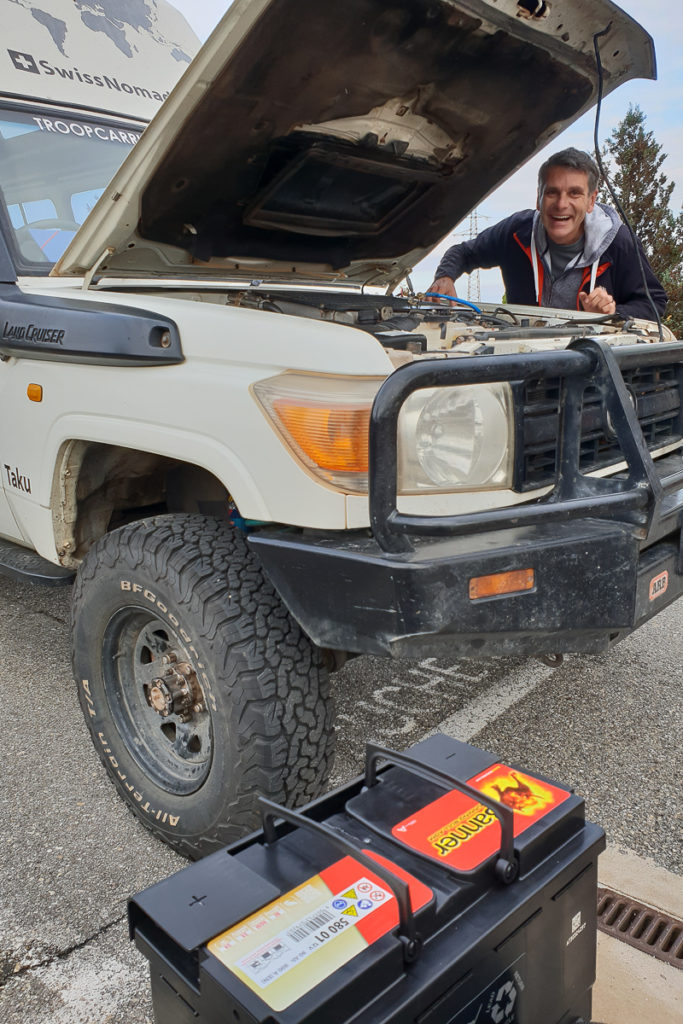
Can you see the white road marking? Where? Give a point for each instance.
(499, 697)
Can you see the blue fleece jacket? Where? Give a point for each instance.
(508, 245)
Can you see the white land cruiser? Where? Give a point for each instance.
(254, 456)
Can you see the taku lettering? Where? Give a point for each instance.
(19, 481)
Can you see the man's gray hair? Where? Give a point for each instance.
(577, 160)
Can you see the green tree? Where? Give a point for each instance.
(634, 164)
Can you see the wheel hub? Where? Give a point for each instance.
(176, 691)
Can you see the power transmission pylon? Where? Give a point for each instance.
(473, 286)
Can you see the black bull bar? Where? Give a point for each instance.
(638, 499)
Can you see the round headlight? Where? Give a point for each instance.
(459, 438)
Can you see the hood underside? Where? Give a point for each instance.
(345, 140)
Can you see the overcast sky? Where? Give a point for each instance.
(661, 101)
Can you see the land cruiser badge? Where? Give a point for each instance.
(32, 332)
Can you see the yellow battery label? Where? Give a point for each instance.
(300, 939)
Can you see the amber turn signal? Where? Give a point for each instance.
(35, 392)
(332, 438)
(501, 583)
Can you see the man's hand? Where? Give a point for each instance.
(444, 286)
(599, 301)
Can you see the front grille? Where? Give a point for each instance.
(656, 392)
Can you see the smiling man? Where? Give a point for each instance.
(570, 253)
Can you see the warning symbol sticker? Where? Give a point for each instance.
(351, 911)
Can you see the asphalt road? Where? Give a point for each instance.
(71, 854)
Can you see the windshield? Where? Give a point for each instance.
(53, 169)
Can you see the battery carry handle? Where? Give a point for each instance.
(506, 866)
(406, 931)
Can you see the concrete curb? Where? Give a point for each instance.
(633, 987)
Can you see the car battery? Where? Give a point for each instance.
(442, 887)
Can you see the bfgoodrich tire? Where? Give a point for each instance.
(199, 689)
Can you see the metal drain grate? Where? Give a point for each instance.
(647, 929)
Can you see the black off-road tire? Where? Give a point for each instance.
(250, 715)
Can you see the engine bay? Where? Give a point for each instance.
(410, 326)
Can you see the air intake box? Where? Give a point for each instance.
(443, 887)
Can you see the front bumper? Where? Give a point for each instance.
(592, 587)
(606, 552)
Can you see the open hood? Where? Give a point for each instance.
(343, 141)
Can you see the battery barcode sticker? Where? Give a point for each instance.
(306, 927)
(274, 958)
(299, 940)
